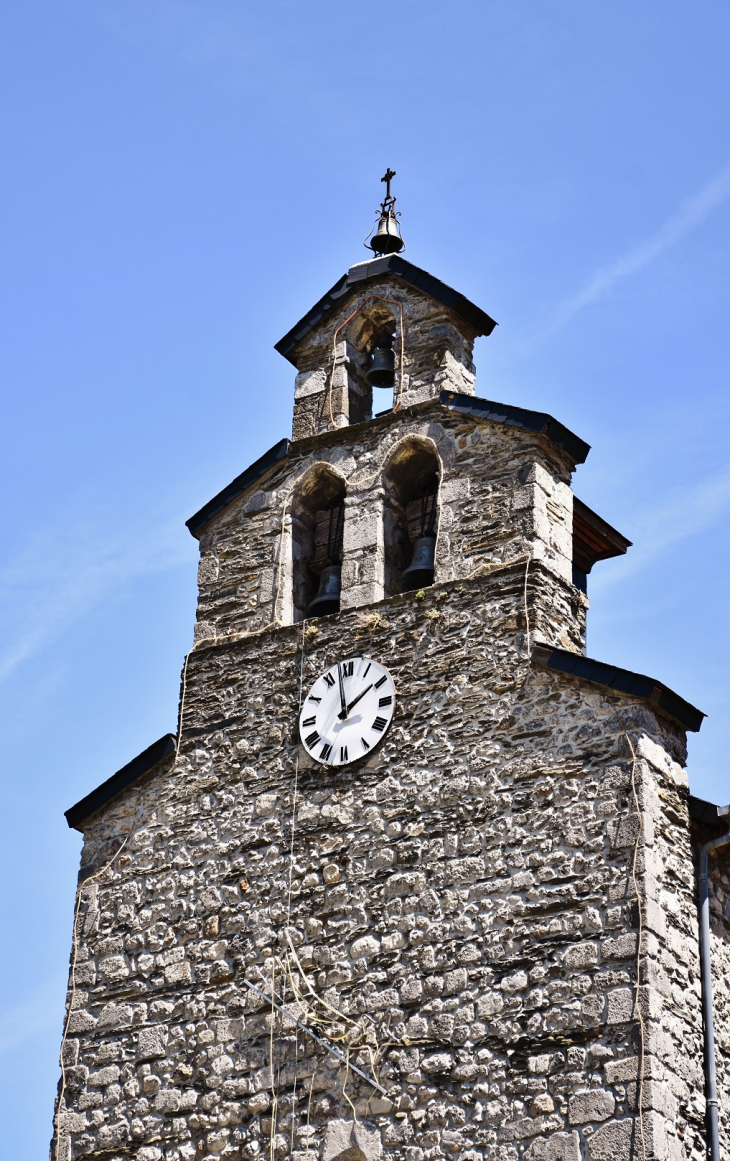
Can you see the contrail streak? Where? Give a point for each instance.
(692, 214)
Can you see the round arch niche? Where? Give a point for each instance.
(317, 515)
(411, 481)
(366, 330)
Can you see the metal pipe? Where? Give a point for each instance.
(706, 986)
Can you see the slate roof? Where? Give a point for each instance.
(621, 680)
(123, 778)
(248, 477)
(538, 421)
(366, 272)
(594, 538)
(707, 812)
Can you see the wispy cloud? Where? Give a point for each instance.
(683, 514)
(61, 574)
(691, 214)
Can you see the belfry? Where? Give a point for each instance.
(414, 878)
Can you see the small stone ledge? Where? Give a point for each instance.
(377, 611)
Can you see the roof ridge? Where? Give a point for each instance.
(427, 283)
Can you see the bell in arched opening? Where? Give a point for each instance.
(329, 590)
(327, 599)
(420, 571)
(381, 372)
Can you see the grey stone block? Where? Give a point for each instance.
(595, 1105)
(151, 1044)
(559, 1147)
(618, 1141)
(351, 1141)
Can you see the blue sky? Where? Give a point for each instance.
(182, 180)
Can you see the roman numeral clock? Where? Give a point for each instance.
(347, 711)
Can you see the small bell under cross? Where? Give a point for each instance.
(387, 237)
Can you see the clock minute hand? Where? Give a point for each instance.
(354, 702)
(343, 702)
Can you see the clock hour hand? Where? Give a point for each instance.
(343, 701)
(354, 702)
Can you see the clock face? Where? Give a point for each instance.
(347, 711)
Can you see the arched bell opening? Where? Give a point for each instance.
(374, 337)
(318, 513)
(410, 516)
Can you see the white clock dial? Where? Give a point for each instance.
(347, 711)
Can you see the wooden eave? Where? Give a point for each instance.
(593, 538)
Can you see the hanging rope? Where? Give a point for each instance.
(295, 796)
(527, 614)
(274, 1100)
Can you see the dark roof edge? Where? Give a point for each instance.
(707, 812)
(601, 526)
(278, 452)
(622, 681)
(123, 778)
(407, 272)
(538, 421)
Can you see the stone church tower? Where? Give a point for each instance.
(414, 879)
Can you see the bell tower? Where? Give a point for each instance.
(413, 878)
(406, 330)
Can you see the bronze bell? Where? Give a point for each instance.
(327, 599)
(387, 239)
(420, 571)
(381, 372)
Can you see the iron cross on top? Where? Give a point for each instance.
(387, 178)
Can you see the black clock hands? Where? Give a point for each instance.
(346, 708)
(343, 701)
(347, 711)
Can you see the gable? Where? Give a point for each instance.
(364, 272)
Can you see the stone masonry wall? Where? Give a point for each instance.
(466, 892)
(504, 493)
(437, 356)
(671, 998)
(719, 872)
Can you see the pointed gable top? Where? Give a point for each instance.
(477, 319)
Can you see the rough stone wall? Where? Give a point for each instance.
(466, 891)
(437, 356)
(504, 493)
(670, 996)
(340, 389)
(719, 876)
